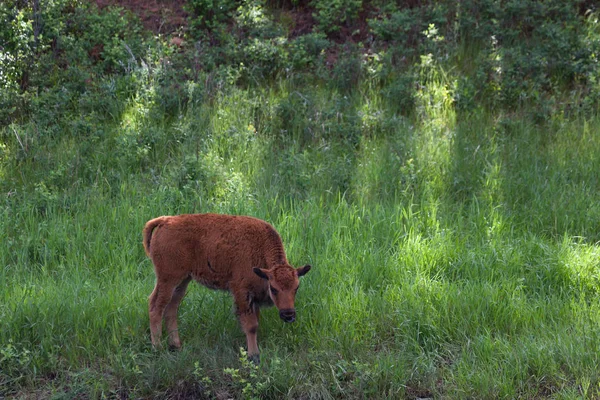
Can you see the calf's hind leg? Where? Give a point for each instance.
(157, 302)
(170, 313)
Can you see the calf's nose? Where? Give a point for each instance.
(288, 315)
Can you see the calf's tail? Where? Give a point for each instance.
(150, 225)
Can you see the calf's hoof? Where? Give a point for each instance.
(174, 344)
(174, 347)
(254, 358)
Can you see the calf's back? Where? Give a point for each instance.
(214, 249)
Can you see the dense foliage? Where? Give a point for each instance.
(504, 54)
(435, 161)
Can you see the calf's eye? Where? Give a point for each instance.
(274, 291)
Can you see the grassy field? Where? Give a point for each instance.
(454, 255)
(441, 178)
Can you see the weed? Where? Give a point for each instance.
(248, 378)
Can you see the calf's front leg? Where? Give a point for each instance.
(248, 315)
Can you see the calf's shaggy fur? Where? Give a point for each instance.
(243, 255)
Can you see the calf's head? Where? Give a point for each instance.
(283, 285)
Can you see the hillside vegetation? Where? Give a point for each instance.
(435, 162)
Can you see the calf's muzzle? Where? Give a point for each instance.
(288, 315)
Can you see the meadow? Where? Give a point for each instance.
(455, 250)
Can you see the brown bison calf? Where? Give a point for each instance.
(241, 254)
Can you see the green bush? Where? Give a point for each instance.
(264, 58)
(536, 49)
(332, 14)
(348, 70)
(19, 44)
(53, 55)
(209, 14)
(399, 94)
(306, 49)
(407, 29)
(521, 52)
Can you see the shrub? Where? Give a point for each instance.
(407, 29)
(306, 49)
(57, 51)
(332, 14)
(209, 14)
(348, 70)
(264, 57)
(399, 94)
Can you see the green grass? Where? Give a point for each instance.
(455, 255)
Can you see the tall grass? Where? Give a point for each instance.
(455, 255)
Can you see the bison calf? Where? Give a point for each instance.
(243, 255)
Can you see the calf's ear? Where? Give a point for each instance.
(303, 270)
(260, 272)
